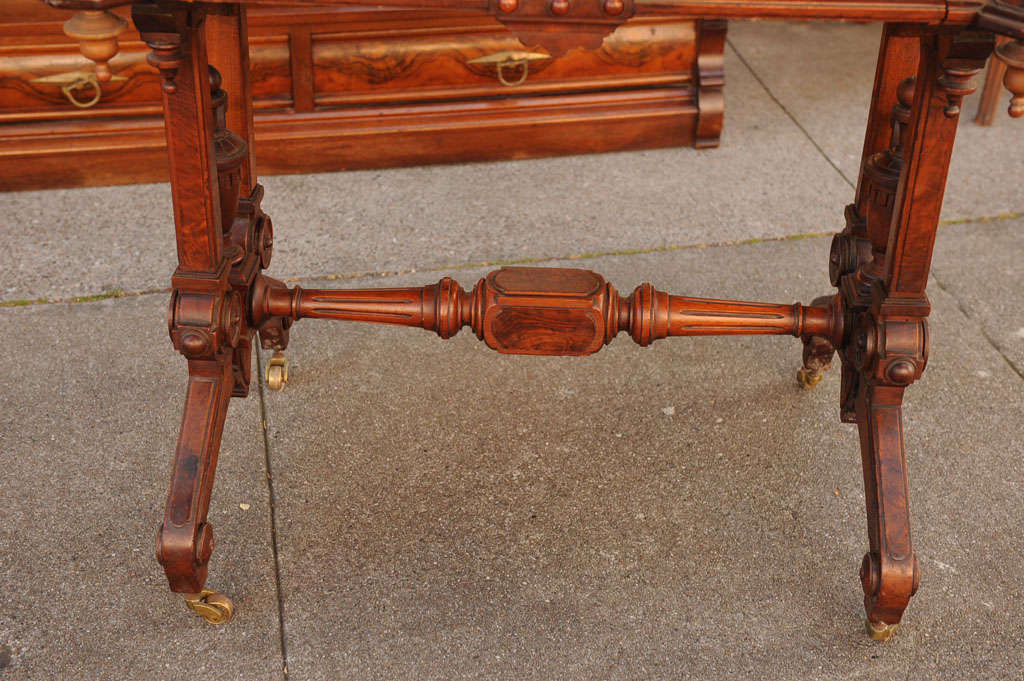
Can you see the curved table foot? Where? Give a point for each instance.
(889, 573)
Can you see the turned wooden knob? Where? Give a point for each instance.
(96, 32)
(614, 7)
(1012, 54)
(560, 7)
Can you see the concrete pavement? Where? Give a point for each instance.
(438, 511)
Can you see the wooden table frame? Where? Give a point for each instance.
(876, 320)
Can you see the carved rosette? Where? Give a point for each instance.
(201, 325)
(848, 250)
(890, 352)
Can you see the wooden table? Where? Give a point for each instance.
(876, 320)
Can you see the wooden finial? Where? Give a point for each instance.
(96, 32)
(1012, 54)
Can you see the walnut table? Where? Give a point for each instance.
(876, 320)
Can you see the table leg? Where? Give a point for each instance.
(219, 241)
(992, 90)
(887, 348)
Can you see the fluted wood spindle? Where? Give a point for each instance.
(547, 311)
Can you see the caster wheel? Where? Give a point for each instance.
(277, 371)
(214, 607)
(809, 378)
(880, 631)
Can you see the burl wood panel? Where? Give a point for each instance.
(348, 71)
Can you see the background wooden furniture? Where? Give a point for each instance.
(992, 91)
(875, 320)
(348, 87)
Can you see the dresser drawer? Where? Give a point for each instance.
(340, 88)
(398, 65)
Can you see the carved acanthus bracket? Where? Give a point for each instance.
(966, 59)
(957, 81)
(998, 16)
(249, 250)
(250, 243)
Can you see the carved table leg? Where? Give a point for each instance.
(223, 241)
(185, 540)
(899, 200)
(889, 572)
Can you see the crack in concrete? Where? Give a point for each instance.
(964, 310)
(273, 511)
(789, 114)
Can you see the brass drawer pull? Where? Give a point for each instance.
(511, 59)
(74, 81)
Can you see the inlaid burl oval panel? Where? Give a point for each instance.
(545, 331)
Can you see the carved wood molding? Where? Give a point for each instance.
(997, 16)
(560, 25)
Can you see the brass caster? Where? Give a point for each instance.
(809, 378)
(880, 631)
(214, 607)
(277, 371)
